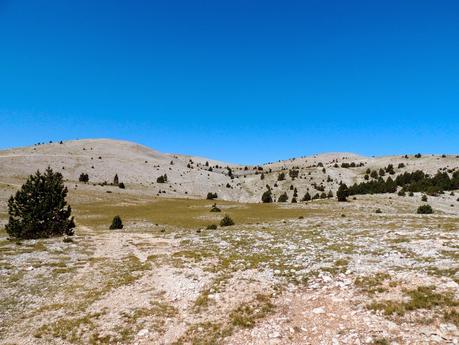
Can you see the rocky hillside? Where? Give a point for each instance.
(139, 167)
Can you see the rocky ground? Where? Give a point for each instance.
(317, 272)
(321, 272)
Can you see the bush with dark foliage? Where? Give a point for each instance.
(83, 178)
(425, 209)
(267, 197)
(117, 223)
(162, 179)
(342, 193)
(226, 221)
(283, 197)
(306, 197)
(39, 208)
(211, 196)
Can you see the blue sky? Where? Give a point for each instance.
(242, 81)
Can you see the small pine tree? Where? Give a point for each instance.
(117, 223)
(162, 179)
(294, 200)
(281, 176)
(121, 185)
(267, 197)
(424, 198)
(83, 178)
(342, 193)
(226, 221)
(425, 209)
(262, 176)
(211, 196)
(283, 197)
(215, 208)
(39, 208)
(330, 194)
(307, 197)
(116, 180)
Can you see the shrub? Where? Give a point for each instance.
(293, 173)
(116, 223)
(215, 208)
(401, 193)
(330, 194)
(425, 209)
(390, 169)
(121, 185)
(162, 179)
(83, 178)
(226, 221)
(39, 208)
(424, 198)
(211, 196)
(306, 197)
(342, 193)
(294, 200)
(401, 165)
(267, 196)
(262, 176)
(417, 155)
(283, 197)
(378, 211)
(281, 176)
(211, 227)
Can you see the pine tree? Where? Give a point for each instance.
(307, 197)
(342, 193)
(117, 223)
(226, 221)
(116, 180)
(283, 197)
(267, 197)
(39, 208)
(83, 178)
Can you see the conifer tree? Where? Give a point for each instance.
(342, 193)
(39, 208)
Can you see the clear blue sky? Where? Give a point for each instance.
(239, 80)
